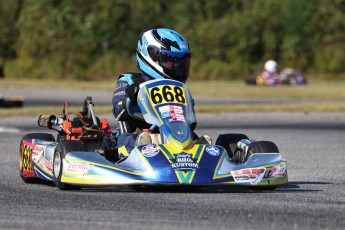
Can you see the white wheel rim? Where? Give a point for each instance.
(57, 164)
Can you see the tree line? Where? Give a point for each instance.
(229, 39)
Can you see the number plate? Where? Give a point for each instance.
(167, 94)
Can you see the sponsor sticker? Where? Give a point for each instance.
(212, 150)
(43, 162)
(251, 175)
(121, 85)
(185, 162)
(79, 168)
(38, 150)
(121, 93)
(278, 171)
(174, 112)
(150, 150)
(165, 114)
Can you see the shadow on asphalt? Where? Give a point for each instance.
(298, 186)
(293, 187)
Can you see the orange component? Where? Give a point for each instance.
(66, 127)
(105, 127)
(77, 130)
(79, 133)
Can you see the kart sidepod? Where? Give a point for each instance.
(164, 164)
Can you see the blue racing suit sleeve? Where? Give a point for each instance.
(118, 96)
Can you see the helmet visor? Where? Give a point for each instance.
(174, 64)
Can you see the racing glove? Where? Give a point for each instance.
(132, 92)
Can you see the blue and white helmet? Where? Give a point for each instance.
(164, 53)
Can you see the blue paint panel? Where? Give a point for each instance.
(40, 174)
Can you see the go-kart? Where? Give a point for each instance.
(85, 154)
(287, 76)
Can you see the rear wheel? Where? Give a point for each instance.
(25, 157)
(229, 142)
(60, 153)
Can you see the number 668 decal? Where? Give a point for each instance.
(167, 94)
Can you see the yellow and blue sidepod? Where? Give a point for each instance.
(165, 164)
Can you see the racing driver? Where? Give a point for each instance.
(161, 54)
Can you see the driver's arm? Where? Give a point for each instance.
(118, 97)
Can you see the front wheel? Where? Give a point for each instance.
(60, 153)
(261, 147)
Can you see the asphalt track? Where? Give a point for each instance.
(312, 143)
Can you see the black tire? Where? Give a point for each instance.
(226, 140)
(61, 150)
(262, 147)
(60, 137)
(40, 136)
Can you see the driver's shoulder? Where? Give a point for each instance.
(131, 77)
